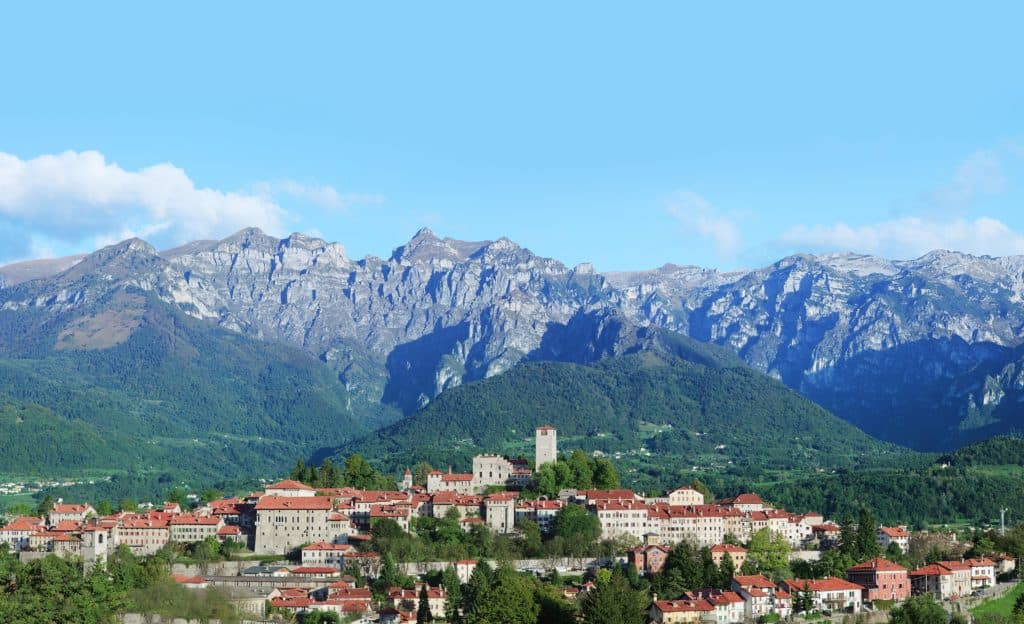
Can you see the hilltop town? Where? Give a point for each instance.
(324, 539)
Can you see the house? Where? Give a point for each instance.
(398, 514)
(325, 554)
(893, 535)
(186, 528)
(287, 522)
(230, 532)
(1005, 564)
(62, 512)
(932, 579)
(144, 535)
(828, 594)
(649, 559)
(728, 605)
(762, 597)
(682, 611)
(961, 572)
(500, 511)
(746, 503)
(827, 534)
(738, 554)
(409, 599)
(275, 571)
(622, 518)
(17, 532)
(983, 572)
(881, 579)
(685, 496)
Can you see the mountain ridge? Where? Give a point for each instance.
(849, 331)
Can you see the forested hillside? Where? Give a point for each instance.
(169, 393)
(662, 415)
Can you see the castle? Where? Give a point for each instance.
(493, 470)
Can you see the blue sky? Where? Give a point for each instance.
(625, 135)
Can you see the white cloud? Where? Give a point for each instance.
(910, 237)
(325, 196)
(78, 197)
(699, 217)
(981, 173)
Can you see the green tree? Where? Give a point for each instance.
(360, 474)
(45, 505)
(104, 508)
(921, 609)
(848, 537)
(211, 494)
(423, 614)
(420, 472)
(128, 504)
(726, 571)
(510, 600)
(613, 601)
(582, 472)
(577, 528)
(529, 540)
(606, 477)
(328, 475)
(769, 553)
(867, 536)
(477, 589)
(177, 495)
(453, 589)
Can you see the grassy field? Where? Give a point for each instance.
(1002, 606)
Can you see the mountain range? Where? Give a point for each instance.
(926, 353)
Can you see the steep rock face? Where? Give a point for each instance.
(898, 348)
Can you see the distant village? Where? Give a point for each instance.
(328, 526)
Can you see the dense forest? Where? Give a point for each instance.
(679, 411)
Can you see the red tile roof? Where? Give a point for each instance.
(894, 531)
(822, 585)
(289, 484)
(294, 502)
(679, 606)
(728, 548)
(931, 570)
(877, 564)
(756, 580)
(69, 508)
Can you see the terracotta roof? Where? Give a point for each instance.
(69, 508)
(327, 546)
(229, 530)
(294, 502)
(894, 531)
(289, 484)
(955, 565)
(822, 585)
(756, 580)
(188, 580)
(931, 570)
(877, 564)
(459, 477)
(314, 570)
(983, 562)
(188, 519)
(730, 548)
(679, 606)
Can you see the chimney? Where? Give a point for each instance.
(449, 468)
